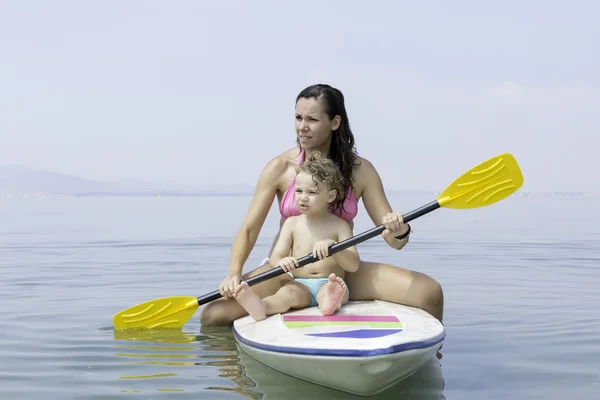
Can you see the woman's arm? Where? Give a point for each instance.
(376, 202)
(259, 208)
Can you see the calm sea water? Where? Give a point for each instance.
(521, 281)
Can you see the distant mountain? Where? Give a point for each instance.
(21, 180)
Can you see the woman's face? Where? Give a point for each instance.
(313, 126)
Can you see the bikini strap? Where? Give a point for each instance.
(300, 162)
(301, 157)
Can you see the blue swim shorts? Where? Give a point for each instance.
(314, 284)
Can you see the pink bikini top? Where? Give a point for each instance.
(288, 208)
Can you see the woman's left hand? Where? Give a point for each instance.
(394, 224)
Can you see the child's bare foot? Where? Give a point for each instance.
(250, 301)
(333, 293)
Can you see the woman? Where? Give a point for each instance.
(322, 124)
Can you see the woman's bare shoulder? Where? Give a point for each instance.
(291, 155)
(279, 170)
(281, 162)
(364, 169)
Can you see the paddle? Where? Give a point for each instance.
(484, 184)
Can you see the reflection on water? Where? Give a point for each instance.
(179, 353)
(179, 349)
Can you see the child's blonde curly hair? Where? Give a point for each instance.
(323, 169)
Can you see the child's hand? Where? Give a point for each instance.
(288, 263)
(321, 249)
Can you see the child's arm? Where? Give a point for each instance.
(348, 259)
(284, 243)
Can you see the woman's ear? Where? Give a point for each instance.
(337, 120)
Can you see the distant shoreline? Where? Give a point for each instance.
(21, 181)
(249, 194)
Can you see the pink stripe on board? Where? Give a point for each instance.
(343, 318)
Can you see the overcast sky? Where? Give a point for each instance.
(157, 90)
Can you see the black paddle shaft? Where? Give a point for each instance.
(308, 259)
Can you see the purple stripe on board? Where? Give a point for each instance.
(340, 318)
(359, 333)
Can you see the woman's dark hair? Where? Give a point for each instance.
(342, 150)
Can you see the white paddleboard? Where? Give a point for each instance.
(363, 349)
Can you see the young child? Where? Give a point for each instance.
(319, 189)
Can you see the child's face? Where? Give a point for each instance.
(311, 197)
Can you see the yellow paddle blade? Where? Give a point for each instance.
(484, 184)
(167, 312)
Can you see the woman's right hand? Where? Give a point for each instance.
(229, 284)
